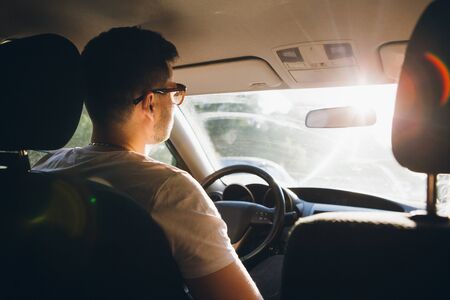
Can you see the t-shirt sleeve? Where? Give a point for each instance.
(196, 232)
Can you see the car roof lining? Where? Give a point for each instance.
(206, 30)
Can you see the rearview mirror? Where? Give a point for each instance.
(340, 117)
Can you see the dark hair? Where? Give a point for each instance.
(120, 64)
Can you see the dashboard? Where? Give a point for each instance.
(300, 202)
(310, 201)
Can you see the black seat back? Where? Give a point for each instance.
(389, 255)
(366, 256)
(64, 237)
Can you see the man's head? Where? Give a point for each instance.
(123, 64)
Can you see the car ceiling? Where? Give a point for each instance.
(206, 31)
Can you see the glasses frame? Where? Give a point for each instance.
(179, 88)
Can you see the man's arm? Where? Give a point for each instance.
(199, 241)
(231, 282)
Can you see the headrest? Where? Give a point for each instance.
(421, 127)
(41, 94)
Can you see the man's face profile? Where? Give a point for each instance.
(163, 115)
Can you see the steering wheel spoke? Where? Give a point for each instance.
(262, 216)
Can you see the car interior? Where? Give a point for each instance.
(319, 129)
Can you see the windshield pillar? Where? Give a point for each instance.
(431, 194)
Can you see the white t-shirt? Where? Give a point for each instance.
(176, 201)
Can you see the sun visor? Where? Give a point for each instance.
(392, 56)
(244, 74)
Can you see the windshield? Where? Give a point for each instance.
(267, 129)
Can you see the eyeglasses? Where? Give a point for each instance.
(177, 94)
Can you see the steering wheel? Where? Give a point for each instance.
(241, 216)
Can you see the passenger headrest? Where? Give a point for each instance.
(421, 127)
(41, 92)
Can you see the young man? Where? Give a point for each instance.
(131, 100)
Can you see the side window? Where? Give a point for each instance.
(82, 137)
(161, 153)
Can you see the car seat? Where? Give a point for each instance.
(389, 255)
(63, 237)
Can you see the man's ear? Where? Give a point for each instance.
(148, 104)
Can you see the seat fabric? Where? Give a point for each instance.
(366, 256)
(64, 238)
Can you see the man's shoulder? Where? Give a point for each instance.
(125, 162)
(135, 165)
(52, 159)
(149, 165)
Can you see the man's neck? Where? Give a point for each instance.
(119, 138)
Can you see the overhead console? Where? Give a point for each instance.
(320, 62)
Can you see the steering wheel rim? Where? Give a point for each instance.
(277, 223)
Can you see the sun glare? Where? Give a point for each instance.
(267, 129)
(381, 99)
